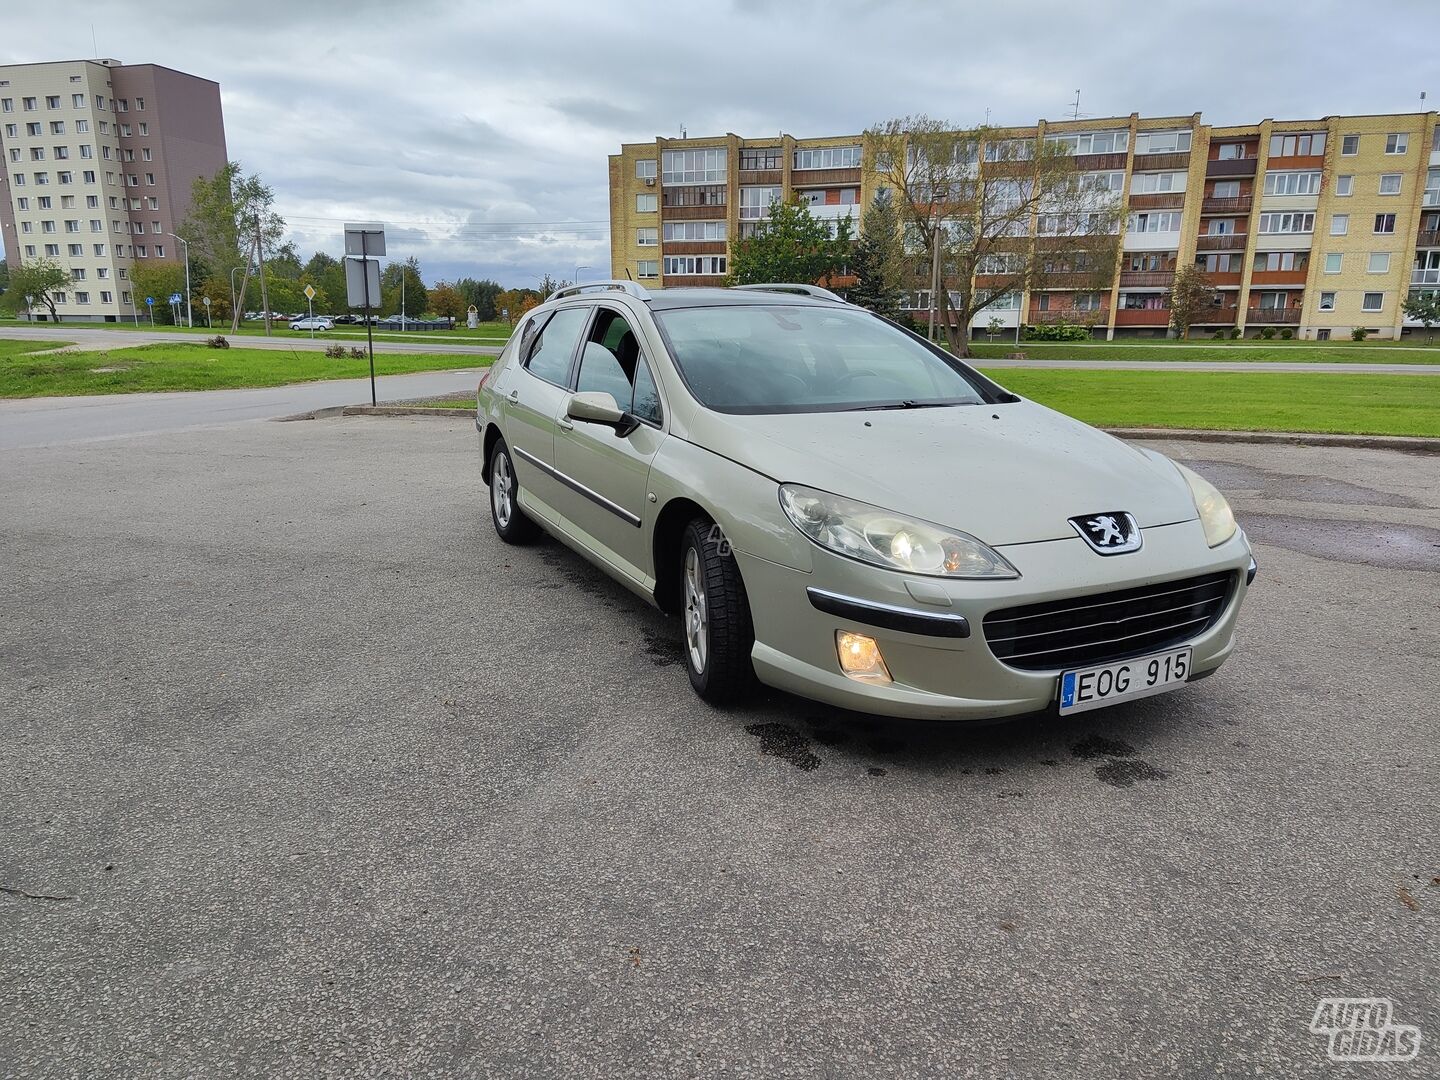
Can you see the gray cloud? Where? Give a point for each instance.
(480, 130)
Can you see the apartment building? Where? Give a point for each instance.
(1312, 226)
(97, 159)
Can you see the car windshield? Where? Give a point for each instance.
(773, 359)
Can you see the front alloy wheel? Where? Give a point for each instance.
(716, 615)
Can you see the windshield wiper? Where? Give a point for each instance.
(906, 403)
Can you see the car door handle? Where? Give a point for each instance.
(514, 396)
(565, 424)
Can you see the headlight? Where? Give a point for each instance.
(1215, 512)
(881, 538)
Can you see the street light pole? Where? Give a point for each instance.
(577, 272)
(189, 312)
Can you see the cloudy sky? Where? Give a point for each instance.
(478, 131)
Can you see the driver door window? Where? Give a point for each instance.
(612, 363)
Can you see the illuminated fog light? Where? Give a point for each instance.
(860, 657)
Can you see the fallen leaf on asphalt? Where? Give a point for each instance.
(1408, 900)
(1010, 926)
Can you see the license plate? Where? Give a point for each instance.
(1110, 684)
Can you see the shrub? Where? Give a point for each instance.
(1286, 334)
(217, 342)
(1268, 333)
(1218, 335)
(357, 354)
(1358, 334)
(335, 352)
(1057, 331)
(1234, 332)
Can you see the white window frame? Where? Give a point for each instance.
(1397, 142)
(647, 237)
(646, 168)
(1383, 256)
(1327, 301)
(1394, 178)
(652, 265)
(646, 204)
(1339, 224)
(1292, 182)
(1365, 302)
(827, 157)
(1344, 185)
(1339, 258)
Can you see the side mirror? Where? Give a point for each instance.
(598, 407)
(594, 407)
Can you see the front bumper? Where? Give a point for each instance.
(938, 671)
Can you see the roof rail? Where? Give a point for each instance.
(804, 290)
(634, 289)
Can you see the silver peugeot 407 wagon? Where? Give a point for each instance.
(836, 507)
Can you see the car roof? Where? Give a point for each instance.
(662, 299)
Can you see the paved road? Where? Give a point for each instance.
(306, 775)
(33, 422)
(114, 339)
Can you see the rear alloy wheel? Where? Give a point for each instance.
(510, 521)
(715, 616)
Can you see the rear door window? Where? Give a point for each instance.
(550, 354)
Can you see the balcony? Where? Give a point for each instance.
(1230, 167)
(1227, 279)
(1179, 160)
(1099, 162)
(1273, 316)
(1150, 279)
(1067, 280)
(1428, 238)
(1425, 277)
(1221, 242)
(765, 177)
(1236, 205)
(694, 247)
(1142, 317)
(694, 213)
(1278, 277)
(1164, 200)
(806, 178)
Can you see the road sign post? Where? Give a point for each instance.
(310, 301)
(150, 304)
(208, 324)
(362, 240)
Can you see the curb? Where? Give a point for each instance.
(1407, 444)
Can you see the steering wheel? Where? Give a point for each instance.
(850, 377)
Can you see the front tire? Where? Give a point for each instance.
(511, 524)
(715, 616)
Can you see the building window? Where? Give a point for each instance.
(694, 230)
(828, 157)
(1334, 261)
(76, 274)
(1163, 221)
(1098, 142)
(87, 151)
(82, 127)
(153, 203)
(65, 177)
(645, 204)
(62, 153)
(1226, 189)
(159, 251)
(22, 203)
(1155, 182)
(150, 179)
(144, 129)
(107, 297)
(1087, 301)
(1327, 301)
(755, 202)
(52, 101)
(1287, 222)
(1297, 145)
(692, 166)
(763, 157)
(1390, 183)
(644, 168)
(77, 101)
(1042, 302)
(647, 237)
(1339, 224)
(649, 268)
(1374, 301)
(28, 104)
(1397, 144)
(7, 104)
(1384, 223)
(145, 153)
(140, 104)
(1292, 183)
(695, 264)
(57, 127)
(1232, 151)
(1379, 263)
(1162, 142)
(1280, 260)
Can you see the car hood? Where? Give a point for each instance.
(1007, 474)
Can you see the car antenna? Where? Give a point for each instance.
(627, 274)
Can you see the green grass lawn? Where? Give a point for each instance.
(1307, 352)
(193, 367)
(1237, 401)
(446, 403)
(19, 348)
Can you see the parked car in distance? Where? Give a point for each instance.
(316, 322)
(348, 320)
(838, 508)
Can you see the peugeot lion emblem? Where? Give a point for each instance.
(1111, 533)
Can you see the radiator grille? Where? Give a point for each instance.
(1096, 629)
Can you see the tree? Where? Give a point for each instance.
(1024, 217)
(483, 295)
(4, 276)
(878, 260)
(446, 301)
(159, 278)
(413, 294)
(792, 245)
(1424, 308)
(231, 224)
(1192, 296)
(40, 280)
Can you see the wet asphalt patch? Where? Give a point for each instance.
(786, 743)
(1231, 477)
(1381, 544)
(1122, 768)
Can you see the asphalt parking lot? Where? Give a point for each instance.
(305, 774)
